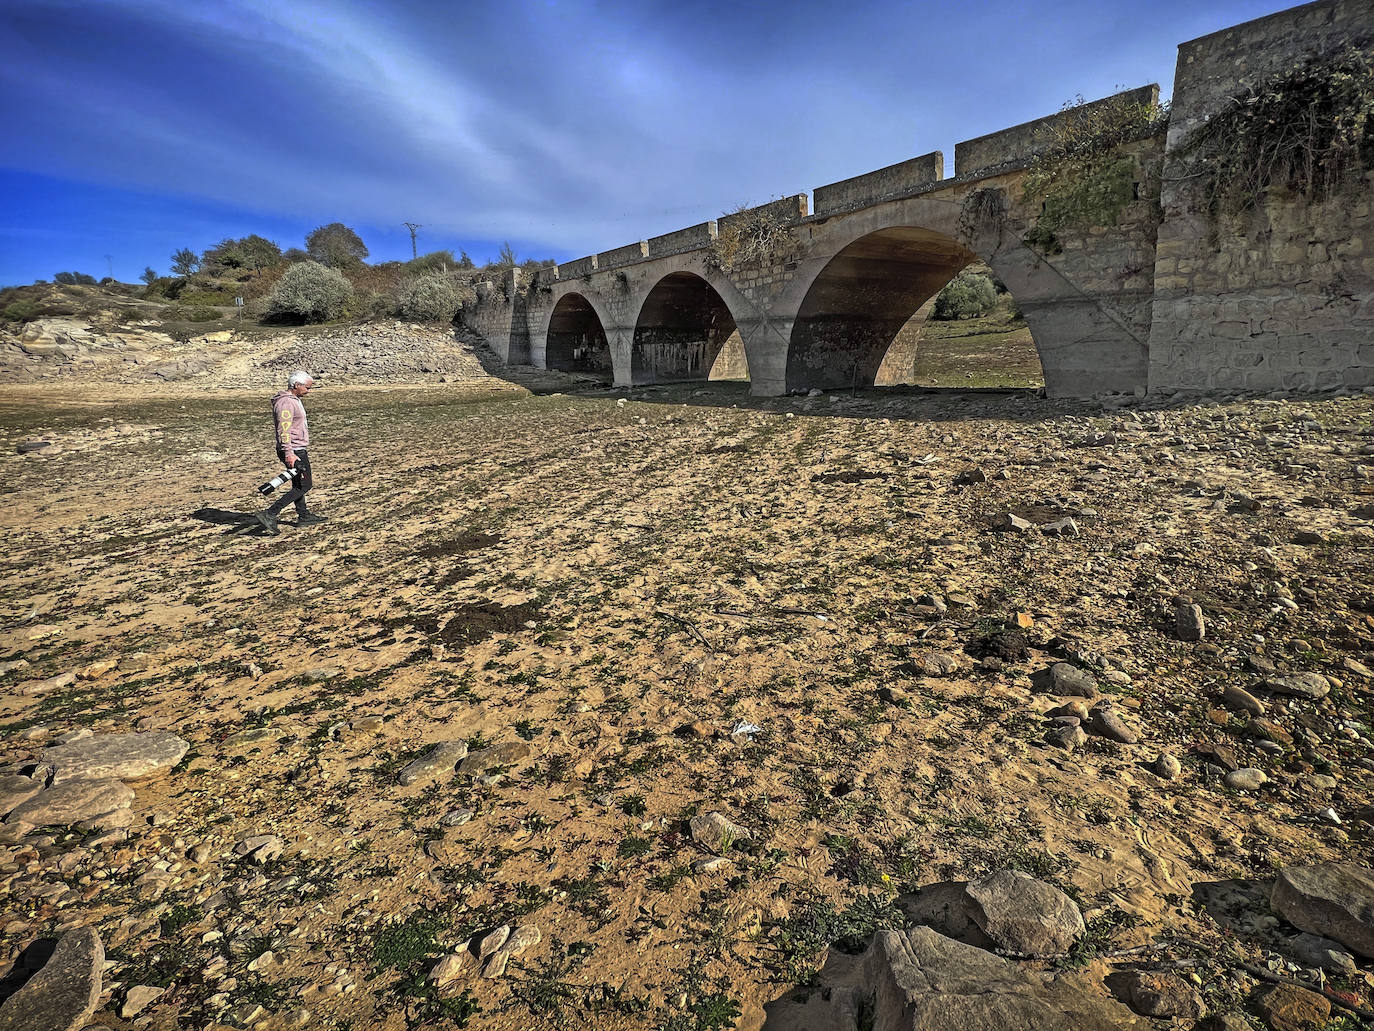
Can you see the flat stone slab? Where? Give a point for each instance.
(439, 761)
(926, 982)
(63, 995)
(72, 802)
(14, 790)
(497, 755)
(1334, 900)
(122, 756)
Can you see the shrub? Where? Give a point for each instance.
(967, 296)
(1309, 129)
(437, 297)
(294, 254)
(204, 297)
(22, 310)
(434, 261)
(310, 291)
(189, 313)
(74, 279)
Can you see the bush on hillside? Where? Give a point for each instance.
(437, 297)
(434, 261)
(22, 310)
(310, 291)
(74, 279)
(967, 296)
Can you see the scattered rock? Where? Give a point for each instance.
(1312, 950)
(1189, 623)
(1106, 722)
(1067, 737)
(63, 995)
(715, 832)
(1023, 916)
(1247, 778)
(260, 848)
(439, 761)
(1157, 995)
(1334, 900)
(1061, 678)
(1012, 523)
(120, 756)
(448, 969)
(1238, 699)
(492, 942)
(1300, 685)
(1287, 1007)
(1167, 766)
(138, 998)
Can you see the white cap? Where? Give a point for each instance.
(299, 377)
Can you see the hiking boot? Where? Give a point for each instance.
(268, 522)
(310, 519)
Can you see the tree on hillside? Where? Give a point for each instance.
(149, 276)
(465, 262)
(294, 254)
(185, 262)
(222, 256)
(259, 252)
(74, 279)
(336, 245)
(506, 259)
(252, 252)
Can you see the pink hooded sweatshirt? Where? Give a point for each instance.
(289, 415)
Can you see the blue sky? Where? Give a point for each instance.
(136, 128)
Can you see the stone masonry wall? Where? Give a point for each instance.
(1282, 298)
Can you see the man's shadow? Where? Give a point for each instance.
(238, 522)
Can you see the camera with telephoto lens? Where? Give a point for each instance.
(285, 476)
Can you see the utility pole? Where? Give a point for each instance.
(412, 226)
(109, 264)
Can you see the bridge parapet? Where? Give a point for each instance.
(693, 238)
(788, 210)
(1022, 142)
(897, 180)
(576, 269)
(626, 255)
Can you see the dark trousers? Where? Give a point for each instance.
(301, 483)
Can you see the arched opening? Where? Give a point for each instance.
(869, 319)
(576, 341)
(686, 332)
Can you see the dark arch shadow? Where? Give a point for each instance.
(685, 331)
(576, 340)
(864, 301)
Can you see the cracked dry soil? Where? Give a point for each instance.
(617, 585)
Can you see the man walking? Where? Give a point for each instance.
(293, 443)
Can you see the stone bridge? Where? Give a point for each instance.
(1153, 300)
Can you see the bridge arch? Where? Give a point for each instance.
(862, 297)
(576, 340)
(686, 331)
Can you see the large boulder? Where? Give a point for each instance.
(119, 756)
(1335, 900)
(64, 993)
(1023, 916)
(924, 981)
